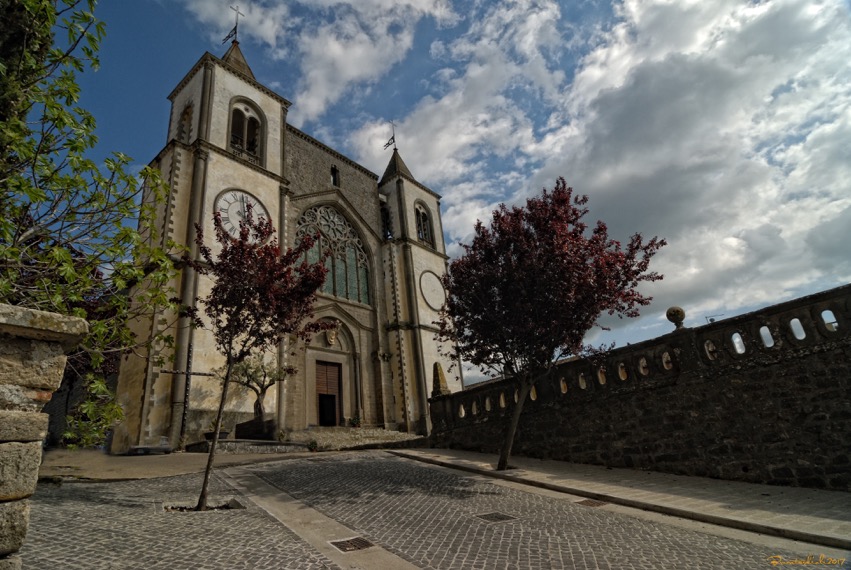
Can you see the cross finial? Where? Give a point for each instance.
(392, 140)
(236, 24)
(233, 32)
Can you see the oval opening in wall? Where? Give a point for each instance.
(829, 320)
(765, 336)
(797, 329)
(738, 343)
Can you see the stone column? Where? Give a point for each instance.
(32, 360)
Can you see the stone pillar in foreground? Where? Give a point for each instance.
(32, 360)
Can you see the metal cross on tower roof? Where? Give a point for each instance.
(235, 31)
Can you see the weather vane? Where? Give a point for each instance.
(233, 32)
(392, 140)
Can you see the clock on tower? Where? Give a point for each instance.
(234, 205)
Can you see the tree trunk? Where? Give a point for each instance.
(508, 442)
(202, 499)
(259, 412)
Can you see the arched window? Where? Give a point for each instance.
(386, 222)
(246, 133)
(424, 231)
(348, 269)
(184, 127)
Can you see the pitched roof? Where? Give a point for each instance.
(396, 166)
(235, 59)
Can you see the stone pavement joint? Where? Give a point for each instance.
(809, 515)
(312, 526)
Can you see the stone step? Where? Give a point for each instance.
(238, 446)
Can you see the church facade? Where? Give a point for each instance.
(229, 145)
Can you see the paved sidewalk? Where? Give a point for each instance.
(98, 466)
(811, 515)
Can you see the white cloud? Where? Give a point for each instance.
(339, 45)
(722, 126)
(264, 22)
(479, 110)
(719, 127)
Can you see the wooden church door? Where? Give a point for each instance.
(328, 393)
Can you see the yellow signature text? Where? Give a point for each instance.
(810, 560)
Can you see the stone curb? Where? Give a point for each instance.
(389, 445)
(808, 537)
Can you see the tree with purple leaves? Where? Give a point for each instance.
(259, 298)
(533, 283)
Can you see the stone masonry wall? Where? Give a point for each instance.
(32, 359)
(763, 397)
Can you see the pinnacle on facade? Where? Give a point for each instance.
(439, 385)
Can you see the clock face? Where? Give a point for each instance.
(233, 206)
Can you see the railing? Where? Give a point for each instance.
(238, 149)
(752, 340)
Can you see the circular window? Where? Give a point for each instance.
(432, 290)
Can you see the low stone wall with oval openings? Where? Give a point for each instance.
(764, 397)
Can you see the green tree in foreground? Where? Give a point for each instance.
(64, 245)
(259, 298)
(533, 283)
(258, 375)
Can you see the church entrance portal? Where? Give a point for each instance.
(329, 393)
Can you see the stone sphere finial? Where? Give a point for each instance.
(676, 315)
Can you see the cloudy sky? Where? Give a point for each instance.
(722, 126)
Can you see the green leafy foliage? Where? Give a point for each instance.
(258, 375)
(65, 242)
(94, 417)
(354, 421)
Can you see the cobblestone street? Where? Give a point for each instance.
(121, 525)
(429, 516)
